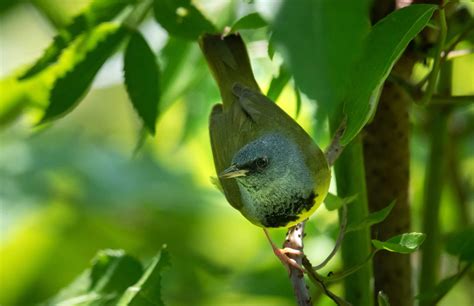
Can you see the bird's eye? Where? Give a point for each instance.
(261, 163)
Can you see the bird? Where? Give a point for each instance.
(268, 167)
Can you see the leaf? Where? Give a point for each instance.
(461, 244)
(382, 299)
(251, 21)
(181, 18)
(84, 59)
(333, 202)
(142, 79)
(97, 12)
(382, 48)
(298, 101)
(406, 243)
(371, 219)
(278, 83)
(111, 273)
(147, 291)
(320, 41)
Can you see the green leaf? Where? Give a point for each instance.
(371, 219)
(147, 291)
(320, 41)
(382, 48)
(298, 100)
(181, 18)
(333, 202)
(461, 244)
(382, 299)
(97, 12)
(82, 60)
(142, 77)
(251, 21)
(278, 83)
(406, 243)
(112, 272)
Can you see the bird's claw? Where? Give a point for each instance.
(287, 261)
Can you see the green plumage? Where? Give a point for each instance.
(299, 174)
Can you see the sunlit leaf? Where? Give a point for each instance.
(333, 202)
(461, 244)
(251, 21)
(278, 83)
(181, 18)
(98, 11)
(147, 291)
(384, 45)
(406, 243)
(83, 58)
(142, 76)
(371, 219)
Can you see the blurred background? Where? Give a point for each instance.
(76, 186)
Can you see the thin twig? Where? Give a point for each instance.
(339, 240)
(294, 240)
(317, 280)
(341, 275)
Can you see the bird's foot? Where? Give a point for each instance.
(283, 255)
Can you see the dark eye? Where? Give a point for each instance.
(261, 163)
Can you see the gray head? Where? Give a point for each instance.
(269, 162)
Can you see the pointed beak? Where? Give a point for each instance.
(232, 172)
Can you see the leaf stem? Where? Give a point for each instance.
(138, 14)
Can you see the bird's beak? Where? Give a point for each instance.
(232, 172)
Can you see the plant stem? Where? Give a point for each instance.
(350, 177)
(434, 176)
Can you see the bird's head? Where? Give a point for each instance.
(265, 161)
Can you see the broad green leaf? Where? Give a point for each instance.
(111, 273)
(382, 299)
(278, 83)
(98, 11)
(382, 48)
(371, 219)
(142, 77)
(82, 60)
(333, 202)
(147, 291)
(320, 40)
(251, 21)
(406, 243)
(181, 18)
(461, 244)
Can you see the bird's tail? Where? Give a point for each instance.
(229, 63)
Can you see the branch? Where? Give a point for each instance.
(294, 240)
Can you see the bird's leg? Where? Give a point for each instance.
(282, 254)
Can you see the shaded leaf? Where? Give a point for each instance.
(314, 37)
(84, 59)
(371, 219)
(461, 244)
(147, 291)
(384, 45)
(98, 11)
(251, 21)
(278, 83)
(142, 77)
(406, 243)
(333, 202)
(181, 18)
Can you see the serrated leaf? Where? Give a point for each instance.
(82, 60)
(147, 291)
(382, 48)
(251, 21)
(405, 244)
(278, 83)
(333, 202)
(98, 11)
(461, 244)
(142, 79)
(371, 219)
(111, 273)
(181, 18)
